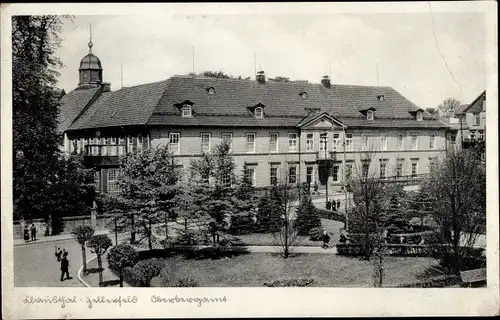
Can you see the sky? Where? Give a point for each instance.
(426, 57)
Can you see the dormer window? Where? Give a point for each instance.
(259, 112)
(380, 97)
(186, 110)
(303, 95)
(211, 90)
(419, 116)
(369, 115)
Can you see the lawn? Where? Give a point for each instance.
(267, 239)
(254, 269)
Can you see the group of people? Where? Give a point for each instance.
(62, 257)
(27, 233)
(332, 205)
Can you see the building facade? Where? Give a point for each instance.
(277, 130)
(471, 122)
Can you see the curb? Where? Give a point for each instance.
(80, 272)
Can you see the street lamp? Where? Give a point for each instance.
(327, 167)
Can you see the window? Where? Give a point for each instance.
(250, 175)
(477, 120)
(303, 95)
(173, 143)
(186, 110)
(383, 170)
(205, 142)
(414, 141)
(335, 173)
(432, 141)
(104, 148)
(85, 144)
(383, 141)
(95, 149)
(113, 185)
(121, 147)
(132, 144)
(399, 168)
(369, 115)
(364, 141)
(259, 113)
(400, 142)
(273, 142)
(365, 167)
(348, 142)
(432, 164)
(348, 171)
(481, 135)
(211, 90)
(419, 116)
(414, 169)
(473, 135)
(228, 137)
(309, 142)
(323, 141)
(309, 174)
(97, 181)
(336, 141)
(225, 180)
(113, 148)
(292, 142)
(273, 175)
(250, 142)
(72, 146)
(292, 175)
(78, 145)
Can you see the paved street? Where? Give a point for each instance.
(36, 266)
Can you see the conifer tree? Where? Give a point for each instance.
(307, 216)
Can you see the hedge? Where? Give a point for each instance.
(330, 215)
(473, 260)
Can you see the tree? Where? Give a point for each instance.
(307, 216)
(447, 107)
(36, 141)
(420, 205)
(148, 187)
(280, 79)
(122, 256)
(244, 200)
(214, 74)
(82, 235)
(432, 111)
(146, 270)
(458, 187)
(268, 214)
(99, 244)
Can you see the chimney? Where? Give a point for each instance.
(325, 81)
(261, 77)
(106, 87)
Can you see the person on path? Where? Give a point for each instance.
(33, 232)
(326, 240)
(26, 234)
(65, 267)
(58, 254)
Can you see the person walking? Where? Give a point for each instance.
(26, 234)
(65, 267)
(33, 232)
(326, 240)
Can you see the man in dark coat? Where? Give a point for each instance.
(65, 266)
(326, 240)
(26, 234)
(33, 232)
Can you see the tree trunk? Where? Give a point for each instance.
(84, 258)
(166, 226)
(185, 225)
(121, 278)
(99, 265)
(150, 232)
(132, 225)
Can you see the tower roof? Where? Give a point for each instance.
(90, 62)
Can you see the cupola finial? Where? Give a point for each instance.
(90, 42)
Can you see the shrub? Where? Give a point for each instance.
(186, 282)
(295, 282)
(307, 217)
(191, 238)
(316, 233)
(268, 216)
(241, 224)
(121, 257)
(144, 271)
(330, 215)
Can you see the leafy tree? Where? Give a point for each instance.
(35, 39)
(458, 187)
(82, 235)
(307, 216)
(148, 187)
(99, 244)
(122, 256)
(433, 111)
(447, 107)
(146, 270)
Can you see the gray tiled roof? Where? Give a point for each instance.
(72, 104)
(155, 104)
